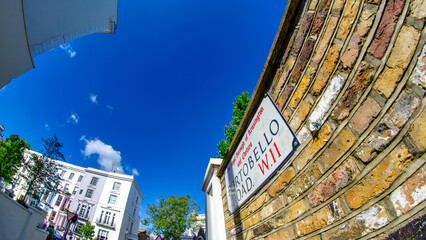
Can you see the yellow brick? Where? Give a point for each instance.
(301, 89)
(325, 39)
(286, 233)
(340, 145)
(258, 202)
(314, 146)
(348, 18)
(418, 132)
(250, 221)
(380, 178)
(300, 115)
(404, 47)
(290, 213)
(326, 70)
(281, 182)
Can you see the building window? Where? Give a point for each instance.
(75, 190)
(63, 173)
(82, 210)
(107, 217)
(116, 186)
(58, 200)
(113, 219)
(71, 176)
(66, 187)
(89, 193)
(112, 199)
(94, 181)
(80, 178)
(134, 211)
(102, 235)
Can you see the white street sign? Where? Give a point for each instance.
(266, 145)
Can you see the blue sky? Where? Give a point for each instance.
(152, 98)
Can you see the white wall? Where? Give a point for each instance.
(19, 223)
(215, 220)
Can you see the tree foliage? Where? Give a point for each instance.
(172, 216)
(240, 105)
(11, 156)
(87, 231)
(42, 170)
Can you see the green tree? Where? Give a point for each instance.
(11, 156)
(240, 105)
(42, 170)
(87, 231)
(171, 217)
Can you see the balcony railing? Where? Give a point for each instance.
(107, 225)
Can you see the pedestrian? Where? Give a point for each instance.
(50, 233)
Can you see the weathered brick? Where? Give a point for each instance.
(380, 178)
(281, 182)
(323, 217)
(404, 47)
(419, 73)
(258, 202)
(301, 34)
(287, 68)
(351, 54)
(348, 19)
(271, 208)
(339, 179)
(290, 213)
(418, 9)
(402, 110)
(364, 223)
(339, 146)
(411, 193)
(303, 182)
(303, 60)
(285, 233)
(250, 221)
(248, 235)
(326, 70)
(320, 17)
(263, 228)
(303, 85)
(338, 5)
(285, 94)
(352, 95)
(418, 132)
(244, 213)
(325, 39)
(313, 4)
(365, 21)
(314, 238)
(314, 146)
(287, 115)
(386, 28)
(364, 115)
(413, 230)
(389, 127)
(300, 115)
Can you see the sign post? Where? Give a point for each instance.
(71, 217)
(266, 145)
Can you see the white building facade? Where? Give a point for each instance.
(109, 201)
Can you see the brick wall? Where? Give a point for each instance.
(349, 77)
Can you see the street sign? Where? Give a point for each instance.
(266, 145)
(70, 215)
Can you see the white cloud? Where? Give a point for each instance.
(93, 98)
(3, 88)
(47, 127)
(109, 107)
(135, 172)
(68, 48)
(74, 118)
(108, 158)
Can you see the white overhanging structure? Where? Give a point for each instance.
(215, 220)
(30, 28)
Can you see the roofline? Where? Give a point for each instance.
(209, 172)
(281, 41)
